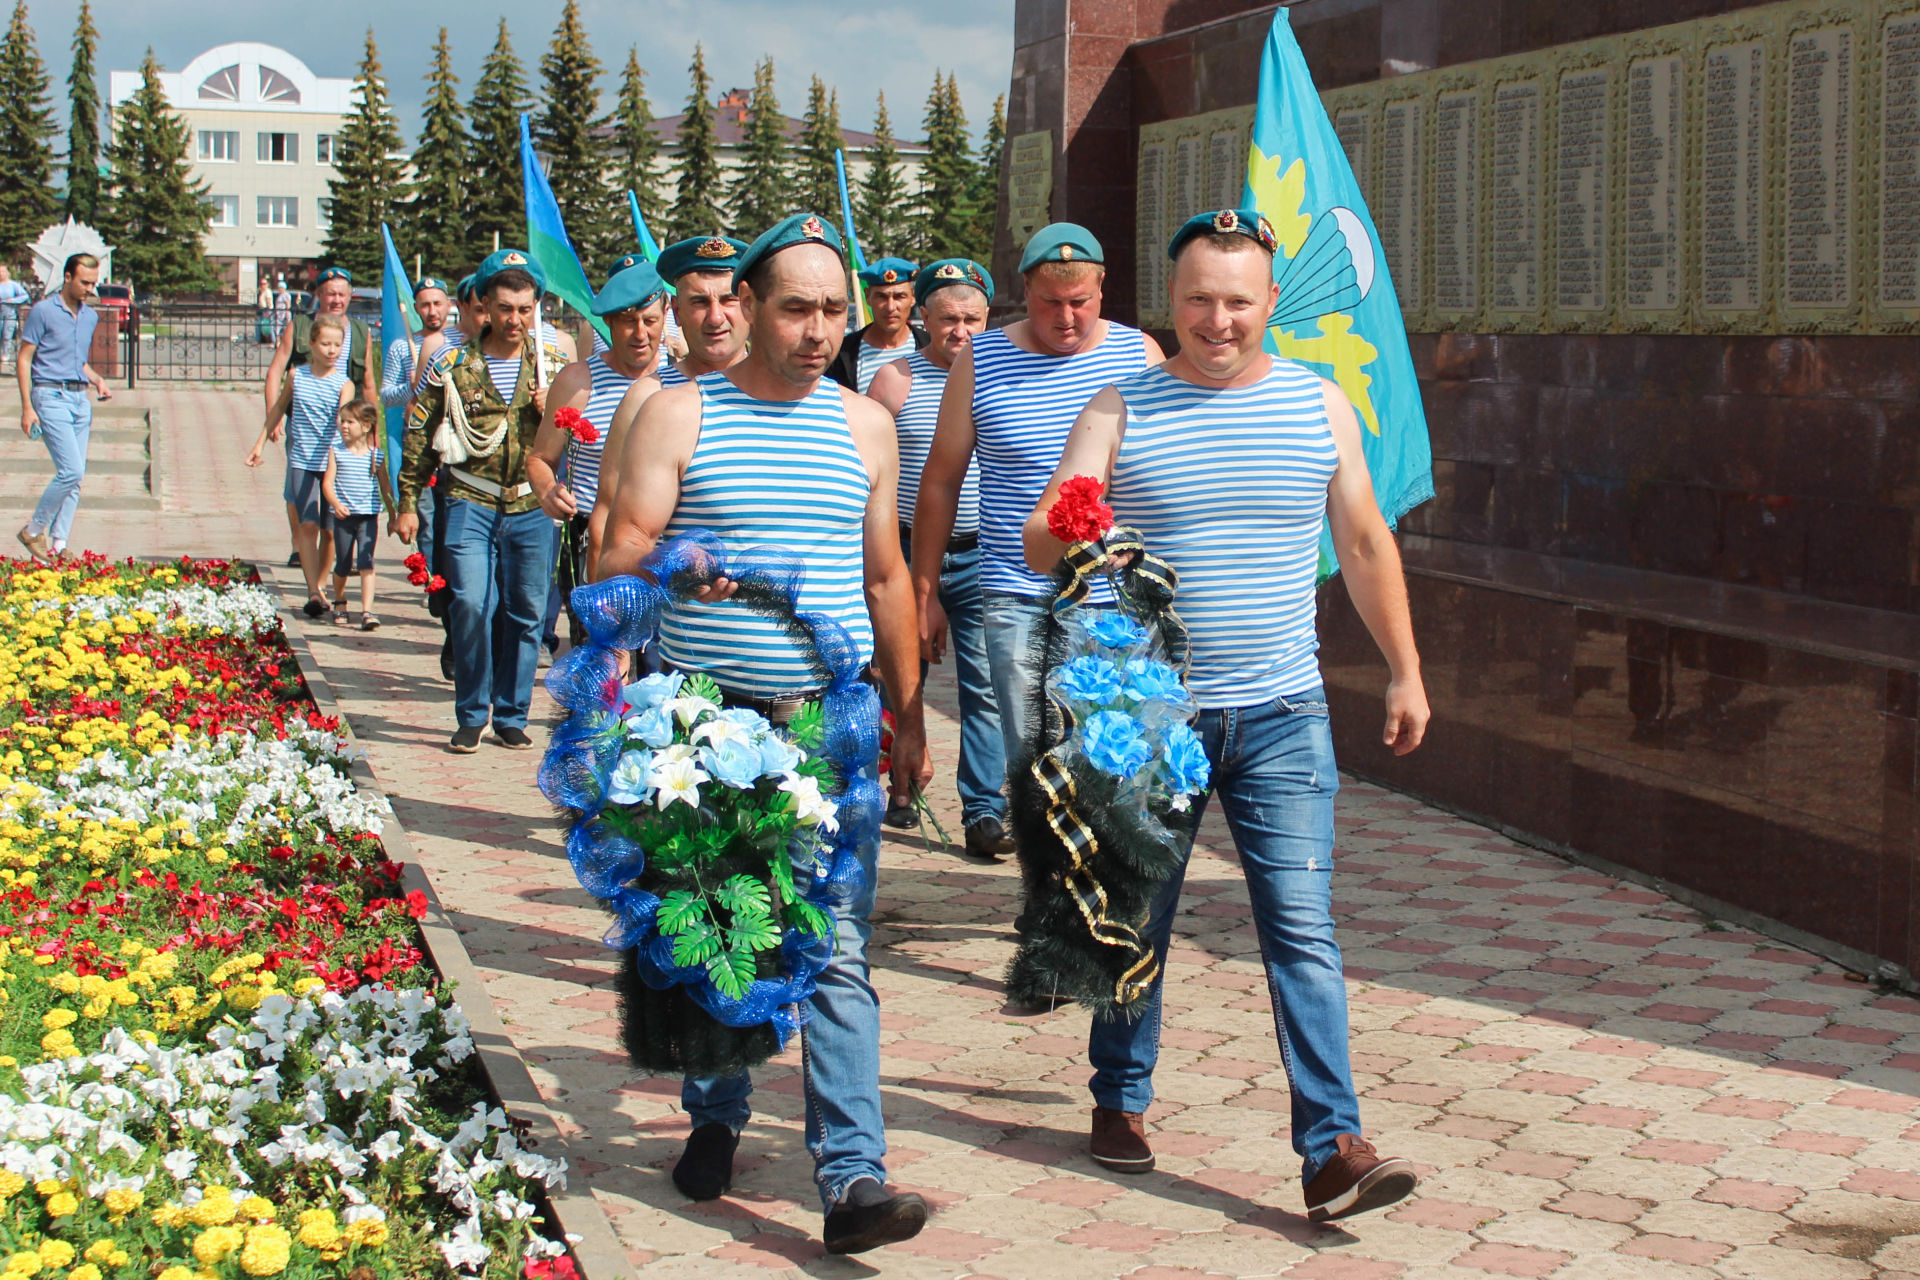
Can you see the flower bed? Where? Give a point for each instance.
(221, 1051)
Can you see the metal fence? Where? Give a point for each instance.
(198, 342)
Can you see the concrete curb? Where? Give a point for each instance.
(597, 1250)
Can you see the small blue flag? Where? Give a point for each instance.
(547, 237)
(640, 232)
(1338, 312)
(396, 325)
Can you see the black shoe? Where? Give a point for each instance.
(446, 659)
(293, 561)
(705, 1171)
(986, 838)
(867, 1217)
(465, 740)
(314, 607)
(903, 816)
(512, 739)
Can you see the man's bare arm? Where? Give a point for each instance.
(277, 368)
(891, 385)
(937, 506)
(654, 456)
(1091, 448)
(624, 413)
(571, 388)
(1370, 559)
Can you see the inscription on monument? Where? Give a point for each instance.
(1150, 222)
(1519, 147)
(1029, 185)
(1456, 202)
(1656, 177)
(1355, 129)
(1733, 139)
(1581, 201)
(1900, 163)
(1226, 169)
(1189, 178)
(1398, 214)
(1821, 100)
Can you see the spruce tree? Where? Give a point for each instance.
(696, 204)
(437, 211)
(985, 199)
(884, 227)
(760, 193)
(154, 214)
(366, 176)
(576, 155)
(27, 202)
(947, 178)
(83, 123)
(816, 180)
(499, 203)
(636, 148)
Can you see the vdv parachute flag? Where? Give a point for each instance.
(860, 317)
(640, 232)
(1337, 311)
(397, 323)
(547, 237)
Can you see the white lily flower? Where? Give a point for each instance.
(677, 780)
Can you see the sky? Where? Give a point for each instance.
(857, 48)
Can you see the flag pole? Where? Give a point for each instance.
(858, 260)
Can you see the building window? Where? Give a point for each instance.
(226, 211)
(279, 148)
(277, 211)
(323, 145)
(222, 86)
(325, 206)
(219, 146)
(275, 87)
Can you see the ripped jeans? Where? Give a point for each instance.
(1274, 771)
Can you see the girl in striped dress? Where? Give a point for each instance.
(356, 480)
(309, 401)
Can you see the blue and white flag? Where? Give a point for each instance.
(1338, 312)
(397, 322)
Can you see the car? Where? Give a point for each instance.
(119, 299)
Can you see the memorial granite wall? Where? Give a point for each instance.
(1661, 262)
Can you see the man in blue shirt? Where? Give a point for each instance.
(13, 299)
(54, 378)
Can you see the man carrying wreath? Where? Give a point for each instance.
(1227, 461)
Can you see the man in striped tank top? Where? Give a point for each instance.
(1229, 461)
(766, 453)
(952, 296)
(1009, 402)
(633, 303)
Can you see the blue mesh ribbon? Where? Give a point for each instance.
(624, 614)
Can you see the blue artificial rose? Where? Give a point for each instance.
(1112, 741)
(1155, 680)
(1116, 630)
(654, 726)
(732, 762)
(628, 782)
(756, 725)
(1091, 680)
(777, 756)
(650, 692)
(1185, 758)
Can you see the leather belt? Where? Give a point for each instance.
(81, 385)
(958, 543)
(510, 493)
(778, 709)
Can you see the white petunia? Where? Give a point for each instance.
(387, 1146)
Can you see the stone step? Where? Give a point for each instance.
(120, 470)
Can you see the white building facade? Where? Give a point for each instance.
(262, 129)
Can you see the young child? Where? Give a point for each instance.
(310, 401)
(354, 469)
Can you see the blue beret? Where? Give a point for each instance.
(702, 253)
(632, 283)
(431, 282)
(799, 228)
(1061, 242)
(1250, 223)
(464, 291)
(333, 273)
(505, 259)
(951, 271)
(888, 271)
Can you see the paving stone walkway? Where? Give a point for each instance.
(1593, 1080)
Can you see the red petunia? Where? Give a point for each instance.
(575, 424)
(1078, 515)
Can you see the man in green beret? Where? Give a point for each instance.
(478, 413)
(952, 296)
(1230, 462)
(769, 452)
(890, 335)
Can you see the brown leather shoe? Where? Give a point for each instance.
(1120, 1141)
(1356, 1180)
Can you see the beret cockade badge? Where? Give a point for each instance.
(812, 229)
(714, 247)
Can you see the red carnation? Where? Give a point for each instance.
(418, 577)
(575, 424)
(437, 583)
(1078, 515)
(416, 561)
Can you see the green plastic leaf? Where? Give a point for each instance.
(803, 915)
(744, 895)
(808, 726)
(732, 972)
(782, 867)
(696, 946)
(700, 686)
(680, 911)
(753, 931)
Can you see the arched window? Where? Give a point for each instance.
(275, 87)
(222, 86)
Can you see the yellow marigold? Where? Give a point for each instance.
(49, 1186)
(85, 1271)
(320, 1233)
(23, 1264)
(169, 1216)
(119, 1258)
(267, 1249)
(65, 983)
(259, 1208)
(8, 1060)
(55, 1041)
(56, 1253)
(57, 1018)
(11, 1184)
(121, 1201)
(61, 1205)
(176, 1273)
(215, 1209)
(215, 1243)
(367, 1231)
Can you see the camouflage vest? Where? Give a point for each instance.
(471, 381)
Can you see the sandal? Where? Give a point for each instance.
(369, 623)
(339, 613)
(314, 607)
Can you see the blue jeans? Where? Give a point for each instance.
(9, 333)
(498, 567)
(66, 427)
(839, 1060)
(1274, 770)
(1010, 624)
(982, 770)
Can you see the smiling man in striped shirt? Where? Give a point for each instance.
(1228, 461)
